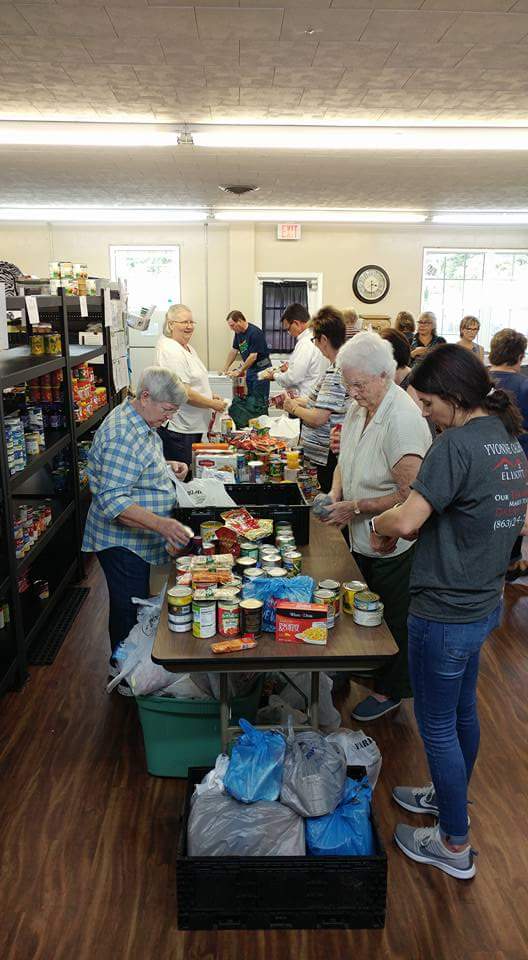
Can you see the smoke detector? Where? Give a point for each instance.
(238, 189)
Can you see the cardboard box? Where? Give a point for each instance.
(216, 460)
(293, 619)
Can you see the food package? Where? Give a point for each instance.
(219, 826)
(301, 623)
(314, 774)
(215, 460)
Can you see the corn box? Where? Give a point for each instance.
(301, 623)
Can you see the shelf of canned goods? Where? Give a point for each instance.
(50, 397)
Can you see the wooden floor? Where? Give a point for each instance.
(89, 839)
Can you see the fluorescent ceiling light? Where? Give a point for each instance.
(318, 216)
(88, 134)
(360, 138)
(102, 215)
(484, 218)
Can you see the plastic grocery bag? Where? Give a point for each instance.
(202, 493)
(347, 832)
(360, 750)
(213, 782)
(295, 690)
(314, 774)
(134, 654)
(257, 760)
(269, 589)
(183, 687)
(221, 827)
(285, 428)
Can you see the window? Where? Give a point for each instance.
(489, 284)
(152, 274)
(276, 296)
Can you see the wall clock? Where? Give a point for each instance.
(371, 283)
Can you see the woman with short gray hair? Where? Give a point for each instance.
(130, 522)
(383, 442)
(426, 336)
(174, 350)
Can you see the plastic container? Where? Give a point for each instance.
(278, 501)
(180, 733)
(295, 893)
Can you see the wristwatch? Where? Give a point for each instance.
(372, 528)
(355, 508)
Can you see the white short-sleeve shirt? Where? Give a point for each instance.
(185, 362)
(368, 455)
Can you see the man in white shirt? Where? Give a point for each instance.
(307, 364)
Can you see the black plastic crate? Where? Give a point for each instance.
(265, 893)
(276, 501)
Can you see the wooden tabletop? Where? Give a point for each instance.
(349, 645)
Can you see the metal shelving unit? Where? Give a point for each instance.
(28, 613)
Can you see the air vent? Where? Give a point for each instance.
(238, 188)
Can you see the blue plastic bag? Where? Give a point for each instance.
(347, 832)
(255, 769)
(269, 589)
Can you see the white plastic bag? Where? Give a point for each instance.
(314, 774)
(283, 427)
(183, 687)
(203, 493)
(134, 655)
(360, 750)
(329, 717)
(213, 782)
(220, 826)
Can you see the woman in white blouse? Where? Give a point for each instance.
(173, 350)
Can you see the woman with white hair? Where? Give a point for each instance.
(174, 351)
(129, 522)
(383, 442)
(426, 336)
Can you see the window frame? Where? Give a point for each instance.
(155, 328)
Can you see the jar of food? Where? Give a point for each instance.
(36, 342)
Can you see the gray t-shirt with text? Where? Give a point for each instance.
(476, 479)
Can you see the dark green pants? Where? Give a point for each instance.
(389, 576)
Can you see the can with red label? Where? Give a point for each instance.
(228, 618)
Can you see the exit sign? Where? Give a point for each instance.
(288, 231)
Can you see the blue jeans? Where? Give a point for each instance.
(443, 666)
(127, 576)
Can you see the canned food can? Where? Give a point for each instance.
(292, 561)
(253, 573)
(196, 544)
(276, 572)
(208, 549)
(244, 563)
(270, 560)
(251, 616)
(276, 469)
(208, 530)
(204, 618)
(248, 549)
(365, 600)
(285, 540)
(369, 618)
(327, 598)
(335, 587)
(242, 468)
(180, 626)
(256, 471)
(179, 598)
(37, 345)
(349, 591)
(228, 618)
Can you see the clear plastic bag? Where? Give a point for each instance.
(269, 589)
(134, 654)
(219, 826)
(347, 832)
(257, 761)
(295, 690)
(314, 774)
(213, 782)
(360, 750)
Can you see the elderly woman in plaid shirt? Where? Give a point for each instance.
(133, 494)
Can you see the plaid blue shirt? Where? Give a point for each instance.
(126, 466)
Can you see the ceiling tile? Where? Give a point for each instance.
(370, 56)
(284, 52)
(520, 7)
(50, 20)
(427, 54)
(200, 52)
(55, 51)
(307, 4)
(153, 21)
(12, 23)
(410, 25)
(231, 22)
(115, 50)
(492, 28)
(478, 6)
(323, 79)
(384, 4)
(501, 56)
(326, 24)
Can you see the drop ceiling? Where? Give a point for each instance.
(323, 61)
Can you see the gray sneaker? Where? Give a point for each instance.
(424, 845)
(417, 799)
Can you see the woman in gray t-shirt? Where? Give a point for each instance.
(466, 508)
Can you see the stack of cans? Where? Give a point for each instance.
(15, 443)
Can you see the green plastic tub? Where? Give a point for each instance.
(179, 734)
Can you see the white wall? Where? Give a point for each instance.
(219, 262)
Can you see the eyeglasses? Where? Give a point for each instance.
(472, 329)
(315, 339)
(357, 385)
(185, 323)
(425, 323)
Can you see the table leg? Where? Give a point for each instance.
(314, 701)
(224, 712)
